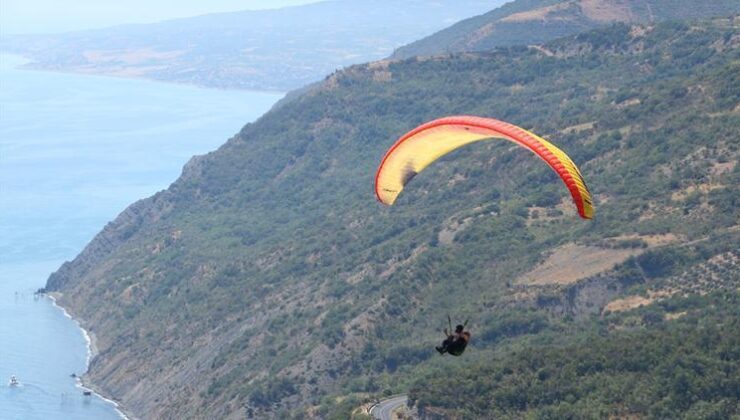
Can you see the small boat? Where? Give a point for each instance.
(13, 381)
(87, 393)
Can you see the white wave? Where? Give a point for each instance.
(88, 340)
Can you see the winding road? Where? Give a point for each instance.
(384, 409)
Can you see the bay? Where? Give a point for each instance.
(75, 150)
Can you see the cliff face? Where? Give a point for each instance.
(267, 277)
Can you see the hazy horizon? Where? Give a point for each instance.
(53, 16)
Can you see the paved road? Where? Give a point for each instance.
(384, 409)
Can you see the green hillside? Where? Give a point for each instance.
(267, 280)
(524, 22)
(630, 366)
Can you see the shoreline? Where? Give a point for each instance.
(30, 65)
(92, 351)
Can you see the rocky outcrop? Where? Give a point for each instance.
(583, 299)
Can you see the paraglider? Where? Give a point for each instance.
(455, 342)
(418, 148)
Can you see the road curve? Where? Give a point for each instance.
(384, 409)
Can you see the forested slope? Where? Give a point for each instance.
(522, 22)
(268, 281)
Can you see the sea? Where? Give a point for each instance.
(75, 151)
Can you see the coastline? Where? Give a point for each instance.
(92, 351)
(42, 251)
(29, 64)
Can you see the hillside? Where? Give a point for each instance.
(525, 22)
(279, 49)
(267, 280)
(676, 359)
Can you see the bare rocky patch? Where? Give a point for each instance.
(447, 235)
(571, 263)
(579, 128)
(395, 265)
(543, 13)
(607, 11)
(631, 302)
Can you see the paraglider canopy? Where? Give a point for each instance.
(421, 146)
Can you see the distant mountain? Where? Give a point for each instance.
(524, 22)
(278, 49)
(268, 282)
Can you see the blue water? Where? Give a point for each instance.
(74, 152)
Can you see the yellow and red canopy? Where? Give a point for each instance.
(423, 145)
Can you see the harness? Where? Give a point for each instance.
(457, 347)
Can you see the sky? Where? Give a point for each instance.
(50, 16)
